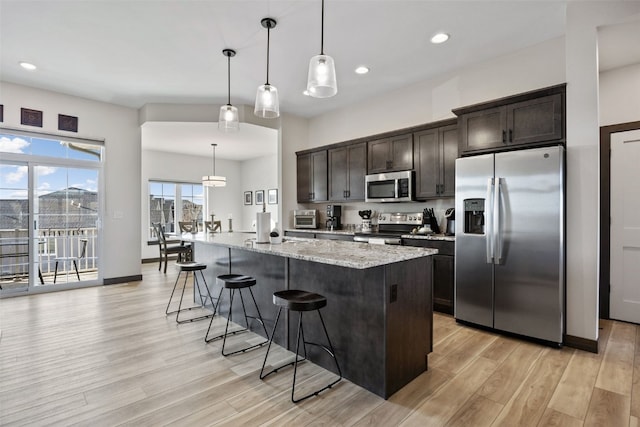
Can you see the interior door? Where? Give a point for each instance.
(625, 226)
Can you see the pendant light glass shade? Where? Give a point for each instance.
(321, 81)
(228, 120)
(214, 180)
(267, 104)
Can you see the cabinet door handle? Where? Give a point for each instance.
(504, 136)
(348, 193)
(510, 135)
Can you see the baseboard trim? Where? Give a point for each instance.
(581, 343)
(123, 279)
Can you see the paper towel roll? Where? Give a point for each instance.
(263, 227)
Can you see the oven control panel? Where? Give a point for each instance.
(400, 218)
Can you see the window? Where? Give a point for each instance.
(170, 202)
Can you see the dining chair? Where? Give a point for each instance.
(186, 226)
(183, 252)
(213, 227)
(74, 259)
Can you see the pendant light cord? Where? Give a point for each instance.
(214, 158)
(322, 31)
(268, 35)
(228, 90)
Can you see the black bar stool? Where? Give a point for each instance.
(300, 301)
(235, 282)
(193, 268)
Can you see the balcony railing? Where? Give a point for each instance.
(52, 243)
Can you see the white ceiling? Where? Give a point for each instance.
(136, 52)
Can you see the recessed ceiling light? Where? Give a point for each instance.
(28, 66)
(439, 38)
(362, 70)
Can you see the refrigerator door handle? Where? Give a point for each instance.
(497, 229)
(489, 221)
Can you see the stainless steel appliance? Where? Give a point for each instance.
(305, 218)
(389, 187)
(390, 227)
(450, 216)
(510, 242)
(334, 212)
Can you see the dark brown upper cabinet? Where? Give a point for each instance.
(347, 169)
(435, 152)
(532, 118)
(390, 154)
(311, 176)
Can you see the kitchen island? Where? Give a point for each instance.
(379, 311)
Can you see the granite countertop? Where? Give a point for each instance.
(429, 237)
(335, 252)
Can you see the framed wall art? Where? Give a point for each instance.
(259, 197)
(272, 196)
(68, 123)
(248, 197)
(30, 117)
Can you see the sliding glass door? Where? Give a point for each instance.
(50, 214)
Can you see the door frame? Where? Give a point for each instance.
(605, 212)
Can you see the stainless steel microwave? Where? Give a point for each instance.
(389, 187)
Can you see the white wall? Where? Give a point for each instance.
(258, 174)
(158, 165)
(583, 18)
(620, 95)
(434, 99)
(120, 255)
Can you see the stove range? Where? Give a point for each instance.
(390, 227)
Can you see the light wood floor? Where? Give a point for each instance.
(109, 356)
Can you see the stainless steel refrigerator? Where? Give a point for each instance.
(510, 244)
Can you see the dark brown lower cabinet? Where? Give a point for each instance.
(443, 271)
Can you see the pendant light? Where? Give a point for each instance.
(228, 119)
(213, 180)
(267, 105)
(321, 82)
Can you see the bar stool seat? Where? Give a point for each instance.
(236, 282)
(191, 268)
(300, 301)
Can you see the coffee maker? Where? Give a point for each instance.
(334, 212)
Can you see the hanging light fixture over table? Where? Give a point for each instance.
(228, 120)
(321, 82)
(213, 180)
(267, 105)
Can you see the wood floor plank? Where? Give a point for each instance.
(477, 411)
(449, 398)
(504, 382)
(608, 409)
(109, 356)
(552, 418)
(528, 404)
(616, 370)
(500, 349)
(462, 355)
(407, 399)
(574, 391)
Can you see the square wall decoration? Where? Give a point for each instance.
(68, 123)
(30, 117)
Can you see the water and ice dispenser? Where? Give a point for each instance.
(474, 216)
